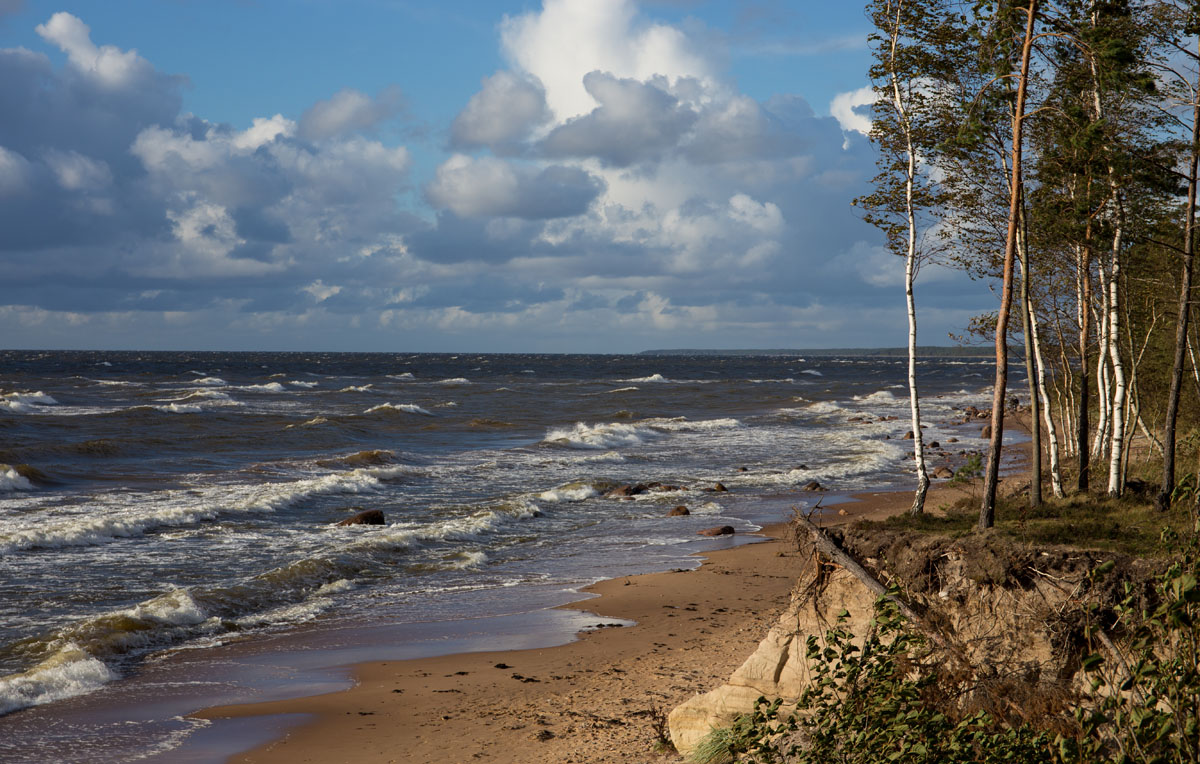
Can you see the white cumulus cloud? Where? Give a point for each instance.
(848, 109)
(569, 38)
(107, 63)
(503, 113)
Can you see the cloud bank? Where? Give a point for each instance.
(609, 190)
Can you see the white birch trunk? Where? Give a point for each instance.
(1195, 368)
(1104, 403)
(910, 270)
(1120, 391)
(1047, 411)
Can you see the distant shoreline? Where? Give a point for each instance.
(923, 351)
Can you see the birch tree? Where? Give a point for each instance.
(911, 42)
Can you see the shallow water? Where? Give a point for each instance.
(173, 501)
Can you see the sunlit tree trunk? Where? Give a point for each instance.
(1103, 389)
(1047, 410)
(1031, 370)
(1119, 391)
(910, 269)
(1163, 500)
(987, 510)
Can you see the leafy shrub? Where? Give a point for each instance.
(891, 698)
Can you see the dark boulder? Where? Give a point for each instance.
(722, 530)
(625, 491)
(366, 517)
(679, 511)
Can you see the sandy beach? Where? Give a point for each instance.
(597, 699)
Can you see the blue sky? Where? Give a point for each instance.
(566, 176)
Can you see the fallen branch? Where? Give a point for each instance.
(831, 550)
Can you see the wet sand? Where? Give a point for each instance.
(596, 699)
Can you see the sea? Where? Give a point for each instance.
(169, 521)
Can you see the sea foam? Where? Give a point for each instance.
(136, 514)
(11, 480)
(600, 436)
(409, 408)
(25, 403)
(69, 672)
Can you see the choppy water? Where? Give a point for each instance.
(161, 501)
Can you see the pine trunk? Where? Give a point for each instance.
(987, 510)
(1163, 500)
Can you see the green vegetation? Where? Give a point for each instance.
(1051, 149)
(1128, 525)
(894, 697)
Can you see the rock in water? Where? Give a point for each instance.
(723, 530)
(366, 517)
(943, 472)
(679, 511)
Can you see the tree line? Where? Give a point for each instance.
(1051, 147)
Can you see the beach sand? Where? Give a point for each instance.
(596, 699)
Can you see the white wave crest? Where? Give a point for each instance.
(467, 559)
(812, 372)
(11, 480)
(305, 385)
(569, 492)
(133, 515)
(879, 396)
(600, 436)
(356, 389)
(825, 407)
(410, 408)
(405, 375)
(470, 528)
(608, 457)
(211, 395)
(685, 425)
(69, 672)
(455, 381)
(25, 403)
(651, 378)
(214, 381)
(176, 408)
(174, 608)
(623, 390)
(318, 420)
(270, 387)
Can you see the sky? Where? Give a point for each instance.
(381, 175)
